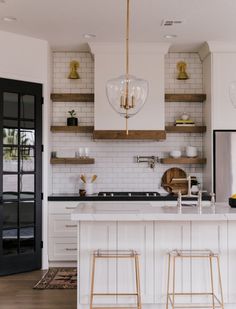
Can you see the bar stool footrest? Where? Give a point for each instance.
(112, 307)
(115, 294)
(218, 303)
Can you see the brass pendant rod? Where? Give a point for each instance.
(127, 65)
(127, 38)
(126, 123)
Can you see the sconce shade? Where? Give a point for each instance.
(127, 94)
(73, 70)
(182, 74)
(232, 93)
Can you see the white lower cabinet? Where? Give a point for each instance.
(167, 237)
(63, 249)
(232, 262)
(62, 232)
(136, 236)
(209, 235)
(153, 240)
(93, 236)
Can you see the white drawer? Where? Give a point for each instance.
(62, 249)
(62, 207)
(62, 226)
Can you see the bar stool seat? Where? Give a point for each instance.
(193, 254)
(116, 254)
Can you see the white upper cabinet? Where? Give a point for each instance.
(146, 62)
(221, 72)
(224, 72)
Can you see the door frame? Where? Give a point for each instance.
(36, 89)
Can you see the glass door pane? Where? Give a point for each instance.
(10, 105)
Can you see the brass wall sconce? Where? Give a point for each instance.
(181, 67)
(73, 70)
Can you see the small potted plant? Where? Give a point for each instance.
(72, 120)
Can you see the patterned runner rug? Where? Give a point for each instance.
(58, 278)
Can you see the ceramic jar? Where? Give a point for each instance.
(191, 151)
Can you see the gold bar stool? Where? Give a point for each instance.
(200, 254)
(116, 254)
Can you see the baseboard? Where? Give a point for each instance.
(62, 264)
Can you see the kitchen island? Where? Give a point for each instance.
(153, 231)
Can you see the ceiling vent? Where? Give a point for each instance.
(171, 22)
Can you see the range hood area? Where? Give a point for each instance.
(147, 62)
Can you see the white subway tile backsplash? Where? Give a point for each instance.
(115, 161)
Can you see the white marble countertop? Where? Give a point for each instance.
(126, 211)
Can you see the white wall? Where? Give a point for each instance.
(29, 59)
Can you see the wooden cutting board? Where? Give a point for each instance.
(170, 185)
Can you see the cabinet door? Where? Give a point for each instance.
(232, 261)
(93, 236)
(62, 226)
(62, 207)
(169, 236)
(213, 236)
(135, 236)
(62, 249)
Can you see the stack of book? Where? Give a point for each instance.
(181, 122)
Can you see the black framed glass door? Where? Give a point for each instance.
(20, 176)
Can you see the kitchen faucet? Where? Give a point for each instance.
(199, 201)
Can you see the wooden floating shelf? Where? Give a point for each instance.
(183, 160)
(185, 129)
(89, 97)
(72, 129)
(72, 97)
(185, 97)
(72, 161)
(133, 134)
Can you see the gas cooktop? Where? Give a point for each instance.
(129, 194)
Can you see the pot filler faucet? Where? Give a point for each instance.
(151, 160)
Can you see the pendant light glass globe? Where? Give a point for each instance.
(130, 87)
(232, 93)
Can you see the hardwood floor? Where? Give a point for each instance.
(16, 292)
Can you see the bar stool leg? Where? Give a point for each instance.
(212, 283)
(136, 259)
(168, 283)
(220, 282)
(173, 299)
(92, 282)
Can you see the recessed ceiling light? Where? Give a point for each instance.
(89, 35)
(9, 18)
(170, 36)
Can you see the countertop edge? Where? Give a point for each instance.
(69, 198)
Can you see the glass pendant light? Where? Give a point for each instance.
(232, 93)
(127, 94)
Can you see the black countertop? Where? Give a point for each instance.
(95, 197)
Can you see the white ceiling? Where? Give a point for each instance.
(63, 22)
